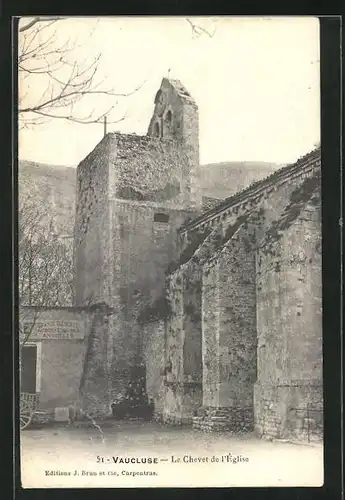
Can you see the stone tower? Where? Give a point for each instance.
(176, 118)
(133, 192)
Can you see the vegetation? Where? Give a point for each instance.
(46, 271)
(159, 309)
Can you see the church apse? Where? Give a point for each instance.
(190, 298)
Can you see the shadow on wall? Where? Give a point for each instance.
(170, 191)
(134, 403)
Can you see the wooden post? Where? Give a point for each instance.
(105, 126)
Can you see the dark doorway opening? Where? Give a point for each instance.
(136, 403)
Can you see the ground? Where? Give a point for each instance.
(89, 450)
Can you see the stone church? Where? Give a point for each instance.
(213, 309)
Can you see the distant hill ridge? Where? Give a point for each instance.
(54, 186)
(50, 170)
(221, 180)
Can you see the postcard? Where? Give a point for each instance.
(170, 277)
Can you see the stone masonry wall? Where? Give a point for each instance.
(121, 250)
(154, 357)
(192, 341)
(150, 169)
(174, 351)
(210, 333)
(238, 327)
(176, 117)
(191, 152)
(94, 270)
(275, 207)
(192, 348)
(94, 384)
(235, 342)
(167, 99)
(92, 225)
(288, 392)
(182, 373)
(141, 249)
(127, 187)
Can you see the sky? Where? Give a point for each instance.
(255, 81)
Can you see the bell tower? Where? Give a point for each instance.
(176, 118)
(175, 114)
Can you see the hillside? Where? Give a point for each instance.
(221, 180)
(53, 186)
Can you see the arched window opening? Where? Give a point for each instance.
(159, 93)
(168, 117)
(156, 131)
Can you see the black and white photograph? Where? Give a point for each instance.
(169, 252)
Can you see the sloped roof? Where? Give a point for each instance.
(180, 89)
(304, 161)
(222, 180)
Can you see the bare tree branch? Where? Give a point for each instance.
(198, 30)
(26, 327)
(39, 19)
(46, 63)
(46, 267)
(64, 95)
(84, 120)
(52, 65)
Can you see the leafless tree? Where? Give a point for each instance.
(53, 67)
(46, 271)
